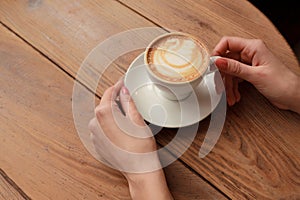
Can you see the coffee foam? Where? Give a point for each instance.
(177, 58)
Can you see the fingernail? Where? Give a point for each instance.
(221, 63)
(125, 91)
(230, 101)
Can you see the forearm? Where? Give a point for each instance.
(150, 186)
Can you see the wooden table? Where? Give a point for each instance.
(43, 43)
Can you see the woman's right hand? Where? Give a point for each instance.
(251, 60)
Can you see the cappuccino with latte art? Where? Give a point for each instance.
(176, 63)
(177, 58)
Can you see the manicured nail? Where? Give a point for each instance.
(125, 91)
(221, 63)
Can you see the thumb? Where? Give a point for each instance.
(129, 107)
(235, 68)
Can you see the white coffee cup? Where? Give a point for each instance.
(177, 63)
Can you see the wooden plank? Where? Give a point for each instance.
(240, 162)
(66, 31)
(185, 184)
(40, 148)
(210, 20)
(8, 190)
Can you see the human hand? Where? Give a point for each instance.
(251, 60)
(120, 138)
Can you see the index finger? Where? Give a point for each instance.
(111, 94)
(234, 44)
(246, 48)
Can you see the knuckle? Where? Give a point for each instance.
(259, 42)
(101, 111)
(92, 125)
(225, 38)
(110, 89)
(235, 67)
(246, 55)
(261, 45)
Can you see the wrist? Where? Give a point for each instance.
(151, 185)
(144, 178)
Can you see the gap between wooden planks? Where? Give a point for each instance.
(40, 149)
(9, 190)
(252, 133)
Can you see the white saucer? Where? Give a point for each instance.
(167, 113)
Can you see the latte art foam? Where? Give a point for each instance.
(178, 58)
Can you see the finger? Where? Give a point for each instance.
(235, 44)
(108, 109)
(236, 90)
(93, 126)
(96, 132)
(233, 55)
(125, 100)
(117, 88)
(250, 50)
(229, 90)
(129, 107)
(239, 57)
(235, 68)
(107, 97)
(111, 94)
(98, 142)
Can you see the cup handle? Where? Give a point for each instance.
(212, 67)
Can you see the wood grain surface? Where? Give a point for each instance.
(40, 149)
(8, 189)
(209, 20)
(257, 155)
(253, 158)
(66, 31)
